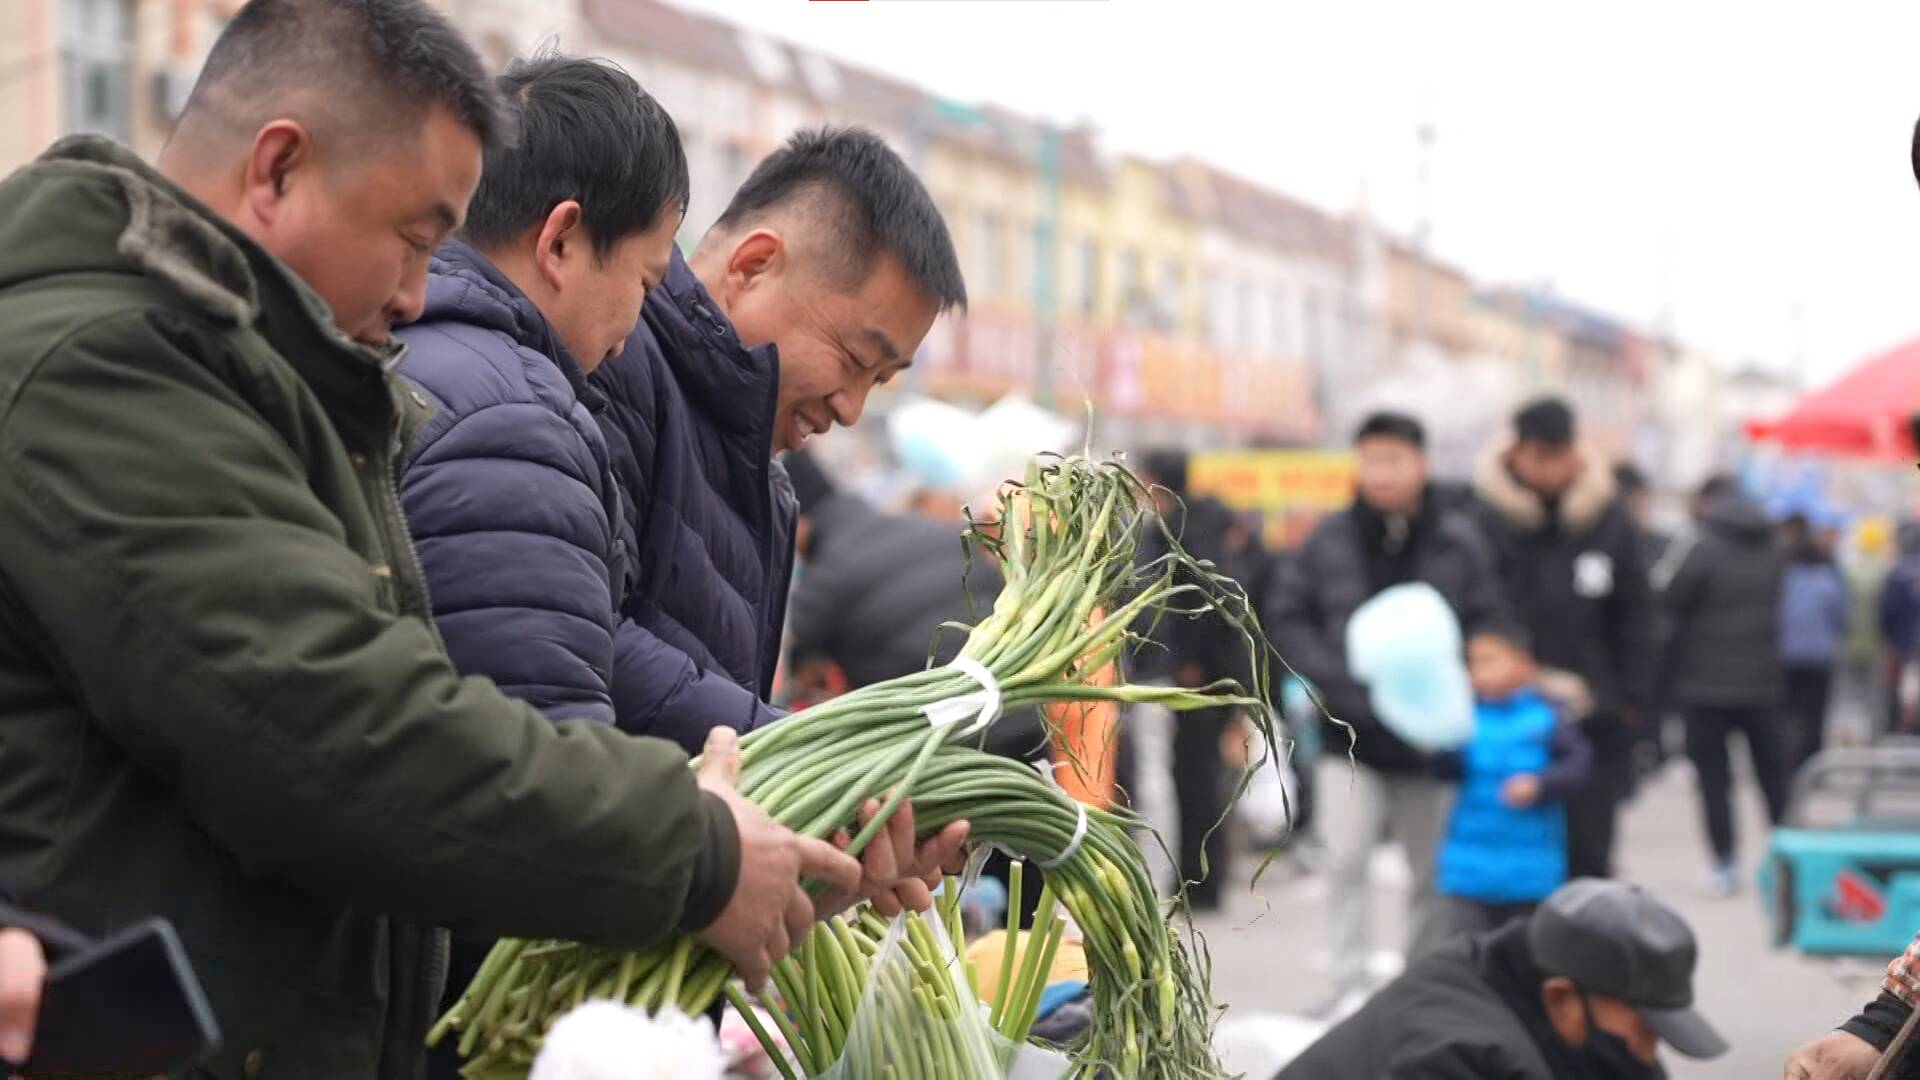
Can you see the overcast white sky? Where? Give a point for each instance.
(1736, 161)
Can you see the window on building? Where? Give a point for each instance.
(1311, 322)
(1130, 283)
(1041, 276)
(1248, 339)
(96, 59)
(989, 253)
(1089, 275)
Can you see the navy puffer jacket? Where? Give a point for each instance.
(690, 425)
(511, 495)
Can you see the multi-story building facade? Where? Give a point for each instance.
(1185, 303)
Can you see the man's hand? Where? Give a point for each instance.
(1520, 791)
(23, 972)
(1838, 1056)
(897, 872)
(769, 913)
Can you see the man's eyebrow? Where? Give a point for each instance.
(889, 352)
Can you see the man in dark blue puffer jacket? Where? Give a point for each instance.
(509, 488)
(817, 284)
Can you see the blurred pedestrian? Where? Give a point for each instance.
(1571, 560)
(1851, 1052)
(1506, 843)
(1393, 534)
(1589, 987)
(1727, 674)
(1900, 628)
(1814, 612)
(1862, 689)
(1649, 736)
(1187, 749)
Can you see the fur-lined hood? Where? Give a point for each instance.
(1584, 504)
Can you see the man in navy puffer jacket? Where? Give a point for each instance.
(509, 488)
(817, 284)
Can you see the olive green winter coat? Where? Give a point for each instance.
(221, 699)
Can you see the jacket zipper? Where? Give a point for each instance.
(413, 587)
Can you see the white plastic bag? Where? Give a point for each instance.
(1405, 645)
(920, 1018)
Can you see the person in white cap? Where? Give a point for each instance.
(1589, 987)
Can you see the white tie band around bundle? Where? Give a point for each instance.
(983, 703)
(1047, 769)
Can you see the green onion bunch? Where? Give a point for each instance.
(1077, 596)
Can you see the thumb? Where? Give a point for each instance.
(720, 759)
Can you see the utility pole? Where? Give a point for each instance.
(1423, 232)
(1046, 258)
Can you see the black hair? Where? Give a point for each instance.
(378, 63)
(1166, 466)
(1507, 630)
(1629, 479)
(1392, 425)
(587, 132)
(869, 201)
(1916, 151)
(1547, 421)
(1716, 487)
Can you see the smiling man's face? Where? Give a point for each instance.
(837, 340)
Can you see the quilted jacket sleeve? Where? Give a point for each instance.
(506, 508)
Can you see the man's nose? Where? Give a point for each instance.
(411, 298)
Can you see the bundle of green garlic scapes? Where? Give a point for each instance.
(1077, 596)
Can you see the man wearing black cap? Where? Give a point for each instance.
(1587, 988)
(1571, 561)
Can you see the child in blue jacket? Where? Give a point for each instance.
(1505, 849)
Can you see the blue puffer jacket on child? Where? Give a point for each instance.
(1499, 854)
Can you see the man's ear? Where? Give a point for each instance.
(756, 258)
(281, 151)
(1565, 1009)
(560, 241)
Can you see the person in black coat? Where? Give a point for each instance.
(1190, 652)
(1395, 533)
(1726, 673)
(1572, 563)
(1587, 988)
(874, 586)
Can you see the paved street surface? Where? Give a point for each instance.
(1269, 952)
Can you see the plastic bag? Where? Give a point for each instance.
(1405, 645)
(919, 1017)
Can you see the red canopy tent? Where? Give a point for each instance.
(1865, 414)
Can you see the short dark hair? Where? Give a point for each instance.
(1547, 421)
(1392, 425)
(1167, 466)
(1506, 630)
(587, 132)
(1717, 486)
(869, 201)
(1629, 479)
(378, 64)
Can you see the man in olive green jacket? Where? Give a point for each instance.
(221, 697)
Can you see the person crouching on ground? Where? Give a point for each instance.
(1586, 988)
(1506, 846)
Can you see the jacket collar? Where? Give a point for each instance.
(736, 387)
(465, 286)
(227, 276)
(1506, 963)
(1580, 508)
